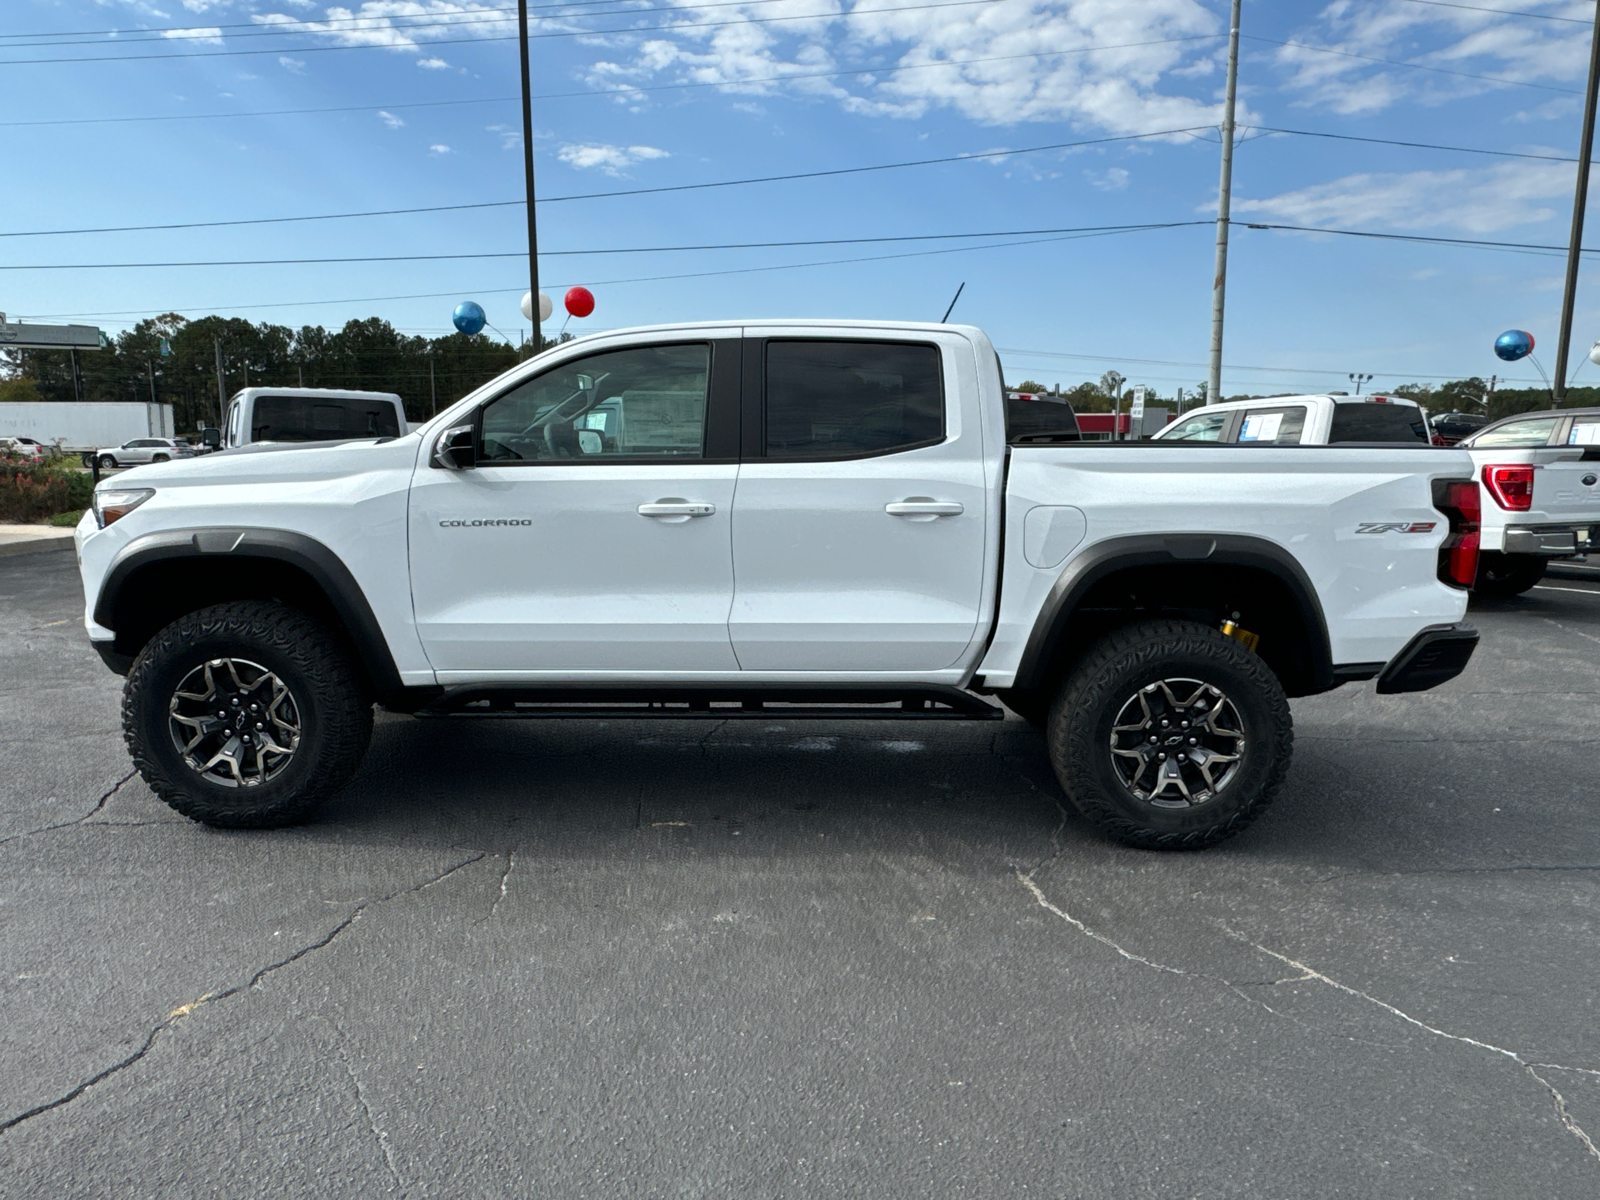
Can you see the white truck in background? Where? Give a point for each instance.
(1540, 477)
(1327, 420)
(773, 520)
(282, 414)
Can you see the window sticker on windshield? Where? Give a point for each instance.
(1261, 427)
(1586, 433)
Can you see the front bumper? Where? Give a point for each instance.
(1436, 655)
(1551, 541)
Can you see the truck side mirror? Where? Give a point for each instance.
(211, 436)
(457, 448)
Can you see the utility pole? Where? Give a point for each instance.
(150, 368)
(77, 378)
(300, 369)
(433, 389)
(527, 164)
(1219, 285)
(1569, 295)
(222, 387)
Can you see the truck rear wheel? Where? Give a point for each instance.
(1507, 574)
(1169, 735)
(245, 715)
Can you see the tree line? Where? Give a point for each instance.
(173, 360)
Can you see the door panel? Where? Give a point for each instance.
(865, 563)
(594, 533)
(576, 578)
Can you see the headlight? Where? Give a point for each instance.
(112, 504)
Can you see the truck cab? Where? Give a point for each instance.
(309, 415)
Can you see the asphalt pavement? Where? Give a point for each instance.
(629, 959)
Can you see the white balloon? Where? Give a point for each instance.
(1594, 354)
(545, 306)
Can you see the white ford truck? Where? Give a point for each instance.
(780, 519)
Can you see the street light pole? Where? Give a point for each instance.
(527, 166)
(1219, 285)
(1358, 379)
(1569, 296)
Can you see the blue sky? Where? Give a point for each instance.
(788, 96)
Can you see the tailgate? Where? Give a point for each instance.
(1566, 487)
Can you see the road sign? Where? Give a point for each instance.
(1136, 410)
(19, 336)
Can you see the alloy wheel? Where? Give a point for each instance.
(1177, 743)
(234, 722)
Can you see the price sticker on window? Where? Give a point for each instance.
(1261, 427)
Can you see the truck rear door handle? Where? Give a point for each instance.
(676, 508)
(918, 507)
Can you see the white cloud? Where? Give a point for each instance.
(1469, 41)
(433, 64)
(393, 24)
(439, 148)
(1112, 179)
(294, 65)
(389, 119)
(200, 6)
(211, 36)
(510, 139)
(1072, 61)
(1478, 200)
(609, 159)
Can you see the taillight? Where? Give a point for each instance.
(1458, 500)
(1511, 486)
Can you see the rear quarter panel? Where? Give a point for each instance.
(1376, 590)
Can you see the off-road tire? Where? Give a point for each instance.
(107, 463)
(1111, 673)
(1505, 575)
(334, 711)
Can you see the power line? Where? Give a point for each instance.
(1413, 237)
(1347, 137)
(679, 26)
(1544, 87)
(640, 279)
(277, 262)
(418, 21)
(681, 187)
(626, 90)
(1505, 12)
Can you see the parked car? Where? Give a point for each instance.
(1326, 420)
(21, 448)
(1540, 473)
(775, 520)
(1454, 426)
(143, 450)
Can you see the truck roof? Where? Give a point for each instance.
(251, 393)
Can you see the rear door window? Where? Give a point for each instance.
(1585, 432)
(1202, 427)
(318, 419)
(828, 400)
(1526, 433)
(1364, 421)
(1273, 426)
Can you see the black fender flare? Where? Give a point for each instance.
(325, 568)
(1086, 569)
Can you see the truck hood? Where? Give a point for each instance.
(275, 461)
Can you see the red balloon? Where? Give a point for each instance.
(580, 302)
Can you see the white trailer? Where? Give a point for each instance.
(78, 426)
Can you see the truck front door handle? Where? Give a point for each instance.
(916, 506)
(676, 508)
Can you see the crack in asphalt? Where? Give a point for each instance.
(380, 1135)
(98, 805)
(1312, 975)
(179, 1013)
(505, 879)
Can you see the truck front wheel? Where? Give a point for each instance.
(245, 715)
(1169, 735)
(1507, 574)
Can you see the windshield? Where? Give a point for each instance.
(321, 419)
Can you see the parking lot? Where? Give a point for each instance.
(747, 958)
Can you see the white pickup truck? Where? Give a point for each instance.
(1327, 420)
(266, 414)
(772, 520)
(1540, 473)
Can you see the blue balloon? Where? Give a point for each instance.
(469, 317)
(1513, 344)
